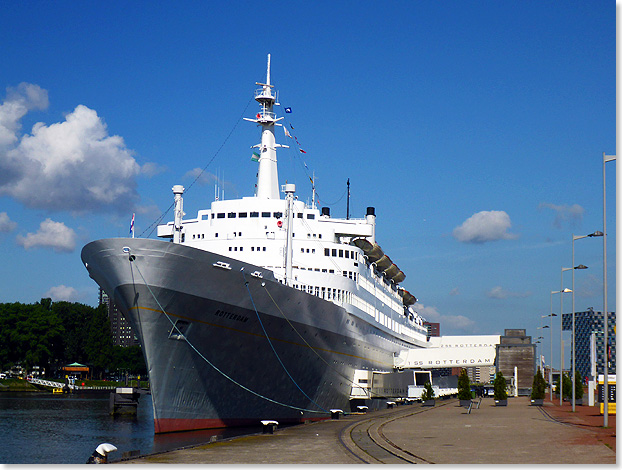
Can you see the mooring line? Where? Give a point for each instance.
(133, 262)
(312, 348)
(272, 346)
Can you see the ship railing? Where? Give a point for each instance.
(261, 93)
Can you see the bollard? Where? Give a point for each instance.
(334, 414)
(362, 408)
(390, 404)
(269, 426)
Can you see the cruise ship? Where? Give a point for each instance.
(262, 307)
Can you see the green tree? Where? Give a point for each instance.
(464, 386)
(500, 386)
(578, 385)
(428, 392)
(538, 388)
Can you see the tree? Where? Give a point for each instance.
(578, 385)
(428, 392)
(464, 386)
(500, 387)
(538, 388)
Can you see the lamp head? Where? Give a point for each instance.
(598, 233)
(581, 266)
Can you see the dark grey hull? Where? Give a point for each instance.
(227, 348)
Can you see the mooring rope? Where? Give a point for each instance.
(312, 348)
(272, 345)
(133, 263)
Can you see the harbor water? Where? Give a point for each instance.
(44, 428)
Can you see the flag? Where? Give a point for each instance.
(258, 116)
(290, 125)
(287, 132)
(288, 110)
(132, 226)
(302, 151)
(255, 157)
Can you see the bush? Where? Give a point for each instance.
(428, 392)
(464, 386)
(500, 387)
(539, 386)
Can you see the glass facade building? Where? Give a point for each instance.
(586, 323)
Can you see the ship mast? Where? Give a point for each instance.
(267, 176)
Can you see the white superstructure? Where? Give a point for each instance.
(335, 259)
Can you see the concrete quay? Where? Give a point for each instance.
(444, 434)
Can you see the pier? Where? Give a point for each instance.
(444, 434)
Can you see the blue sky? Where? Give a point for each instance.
(476, 130)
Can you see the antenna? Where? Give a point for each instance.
(268, 73)
(348, 202)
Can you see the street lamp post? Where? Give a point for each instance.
(561, 336)
(606, 158)
(576, 237)
(551, 366)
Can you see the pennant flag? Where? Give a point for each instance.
(288, 110)
(258, 116)
(255, 157)
(287, 132)
(302, 151)
(290, 125)
(132, 226)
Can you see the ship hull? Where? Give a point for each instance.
(225, 347)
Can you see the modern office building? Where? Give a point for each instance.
(122, 334)
(586, 324)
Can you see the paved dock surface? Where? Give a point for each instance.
(444, 434)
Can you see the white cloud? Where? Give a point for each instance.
(55, 235)
(71, 165)
(564, 213)
(499, 292)
(452, 323)
(62, 292)
(485, 226)
(151, 169)
(202, 177)
(454, 291)
(19, 101)
(6, 224)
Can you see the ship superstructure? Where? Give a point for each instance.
(259, 306)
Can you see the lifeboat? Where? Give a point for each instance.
(384, 263)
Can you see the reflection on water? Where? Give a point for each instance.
(66, 429)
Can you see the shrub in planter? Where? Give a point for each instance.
(538, 388)
(428, 395)
(464, 388)
(501, 394)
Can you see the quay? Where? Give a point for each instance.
(444, 434)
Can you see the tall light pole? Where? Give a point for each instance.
(606, 158)
(576, 237)
(561, 336)
(551, 366)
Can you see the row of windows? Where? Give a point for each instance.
(348, 254)
(241, 248)
(243, 215)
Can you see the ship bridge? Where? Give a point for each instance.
(451, 351)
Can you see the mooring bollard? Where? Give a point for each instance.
(334, 414)
(362, 408)
(390, 404)
(269, 426)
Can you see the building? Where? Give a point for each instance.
(122, 334)
(434, 329)
(515, 349)
(481, 375)
(586, 324)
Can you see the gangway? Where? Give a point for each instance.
(50, 383)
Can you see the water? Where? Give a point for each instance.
(65, 429)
